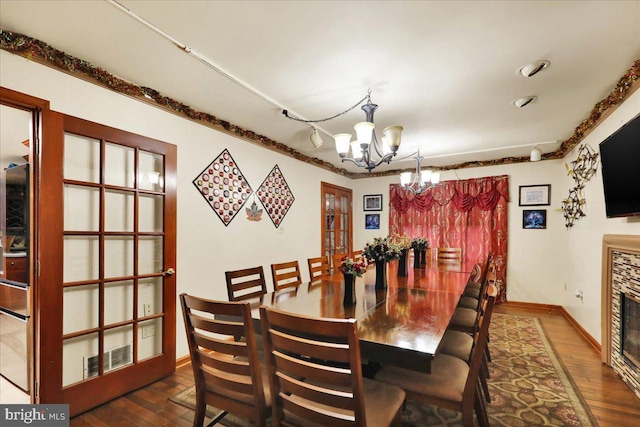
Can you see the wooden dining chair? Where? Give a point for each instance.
(465, 316)
(246, 283)
(318, 267)
(357, 256)
(286, 275)
(449, 255)
(452, 383)
(227, 372)
(315, 374)
(460, 344)
(337, 261)
(477, 278)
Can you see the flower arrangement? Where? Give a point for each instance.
(401, 241)
(349, 266)
(381, 250)
(420, 244)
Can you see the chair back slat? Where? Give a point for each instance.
(216, 326)
(314, 369)
(318, 267)
(224, 358)
(286, 275)
(322, 350)
(449, 255)
(232, 348)
(240, 281)
(234, 365)
(315, 391)
(229, 384)
(309, 413)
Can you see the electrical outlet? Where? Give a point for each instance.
(147, 309)
(148, 331)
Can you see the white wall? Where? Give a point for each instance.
(584, 240)
(205, 248)
(545, 266)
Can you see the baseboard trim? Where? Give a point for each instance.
(586, 335)
(551, 307)
(535, 305)
(180, 361)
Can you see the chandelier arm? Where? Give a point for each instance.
(375, 143)
(286, 113)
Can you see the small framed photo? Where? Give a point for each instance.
(372, 222)
(535, 219)
(372, 202)
(535, 195)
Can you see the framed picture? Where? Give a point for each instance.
(535, 219)
(535, 195)
(372, 202)
(372, 222)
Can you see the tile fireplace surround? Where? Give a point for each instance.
(620, 273)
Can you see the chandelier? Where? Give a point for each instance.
(366, 151)
(420, 180)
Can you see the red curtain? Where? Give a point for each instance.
(469, 214)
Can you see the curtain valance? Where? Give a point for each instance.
(484, 193)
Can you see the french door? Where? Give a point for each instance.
(106, 258)
(337, 220)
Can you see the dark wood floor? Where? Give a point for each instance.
(612, 403)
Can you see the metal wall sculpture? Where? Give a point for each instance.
(582, 169)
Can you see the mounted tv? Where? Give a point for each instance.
(620, 157)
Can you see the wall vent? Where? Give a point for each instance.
(113, 358)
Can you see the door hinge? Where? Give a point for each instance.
(36, 389)
(38, 268)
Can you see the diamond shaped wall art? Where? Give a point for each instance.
(224, 187)
(276, 196)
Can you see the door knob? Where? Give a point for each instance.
(169, 272)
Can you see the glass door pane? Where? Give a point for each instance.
(113, 234)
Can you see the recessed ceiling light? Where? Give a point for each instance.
(534, 68)
(524, 101)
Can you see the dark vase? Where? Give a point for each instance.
(349, 290)
(423, 256)
(417, 258)
(381, 274)
(402, 263)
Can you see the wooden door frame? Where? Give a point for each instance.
(37, 107)
(328, 186)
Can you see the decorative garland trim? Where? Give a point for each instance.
(34, 49)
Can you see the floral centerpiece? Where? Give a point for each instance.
(350, 269)
(350, 266)
(402, 243)
(380, 250)
(420, 246)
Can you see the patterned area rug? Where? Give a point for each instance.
(529, 386)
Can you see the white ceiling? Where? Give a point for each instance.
(447, 71)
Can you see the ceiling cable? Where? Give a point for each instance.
(208, 62)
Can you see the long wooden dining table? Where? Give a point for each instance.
(401, 325)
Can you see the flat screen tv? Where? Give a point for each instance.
(620, 157)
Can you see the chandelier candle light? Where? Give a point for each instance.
(421, 180)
